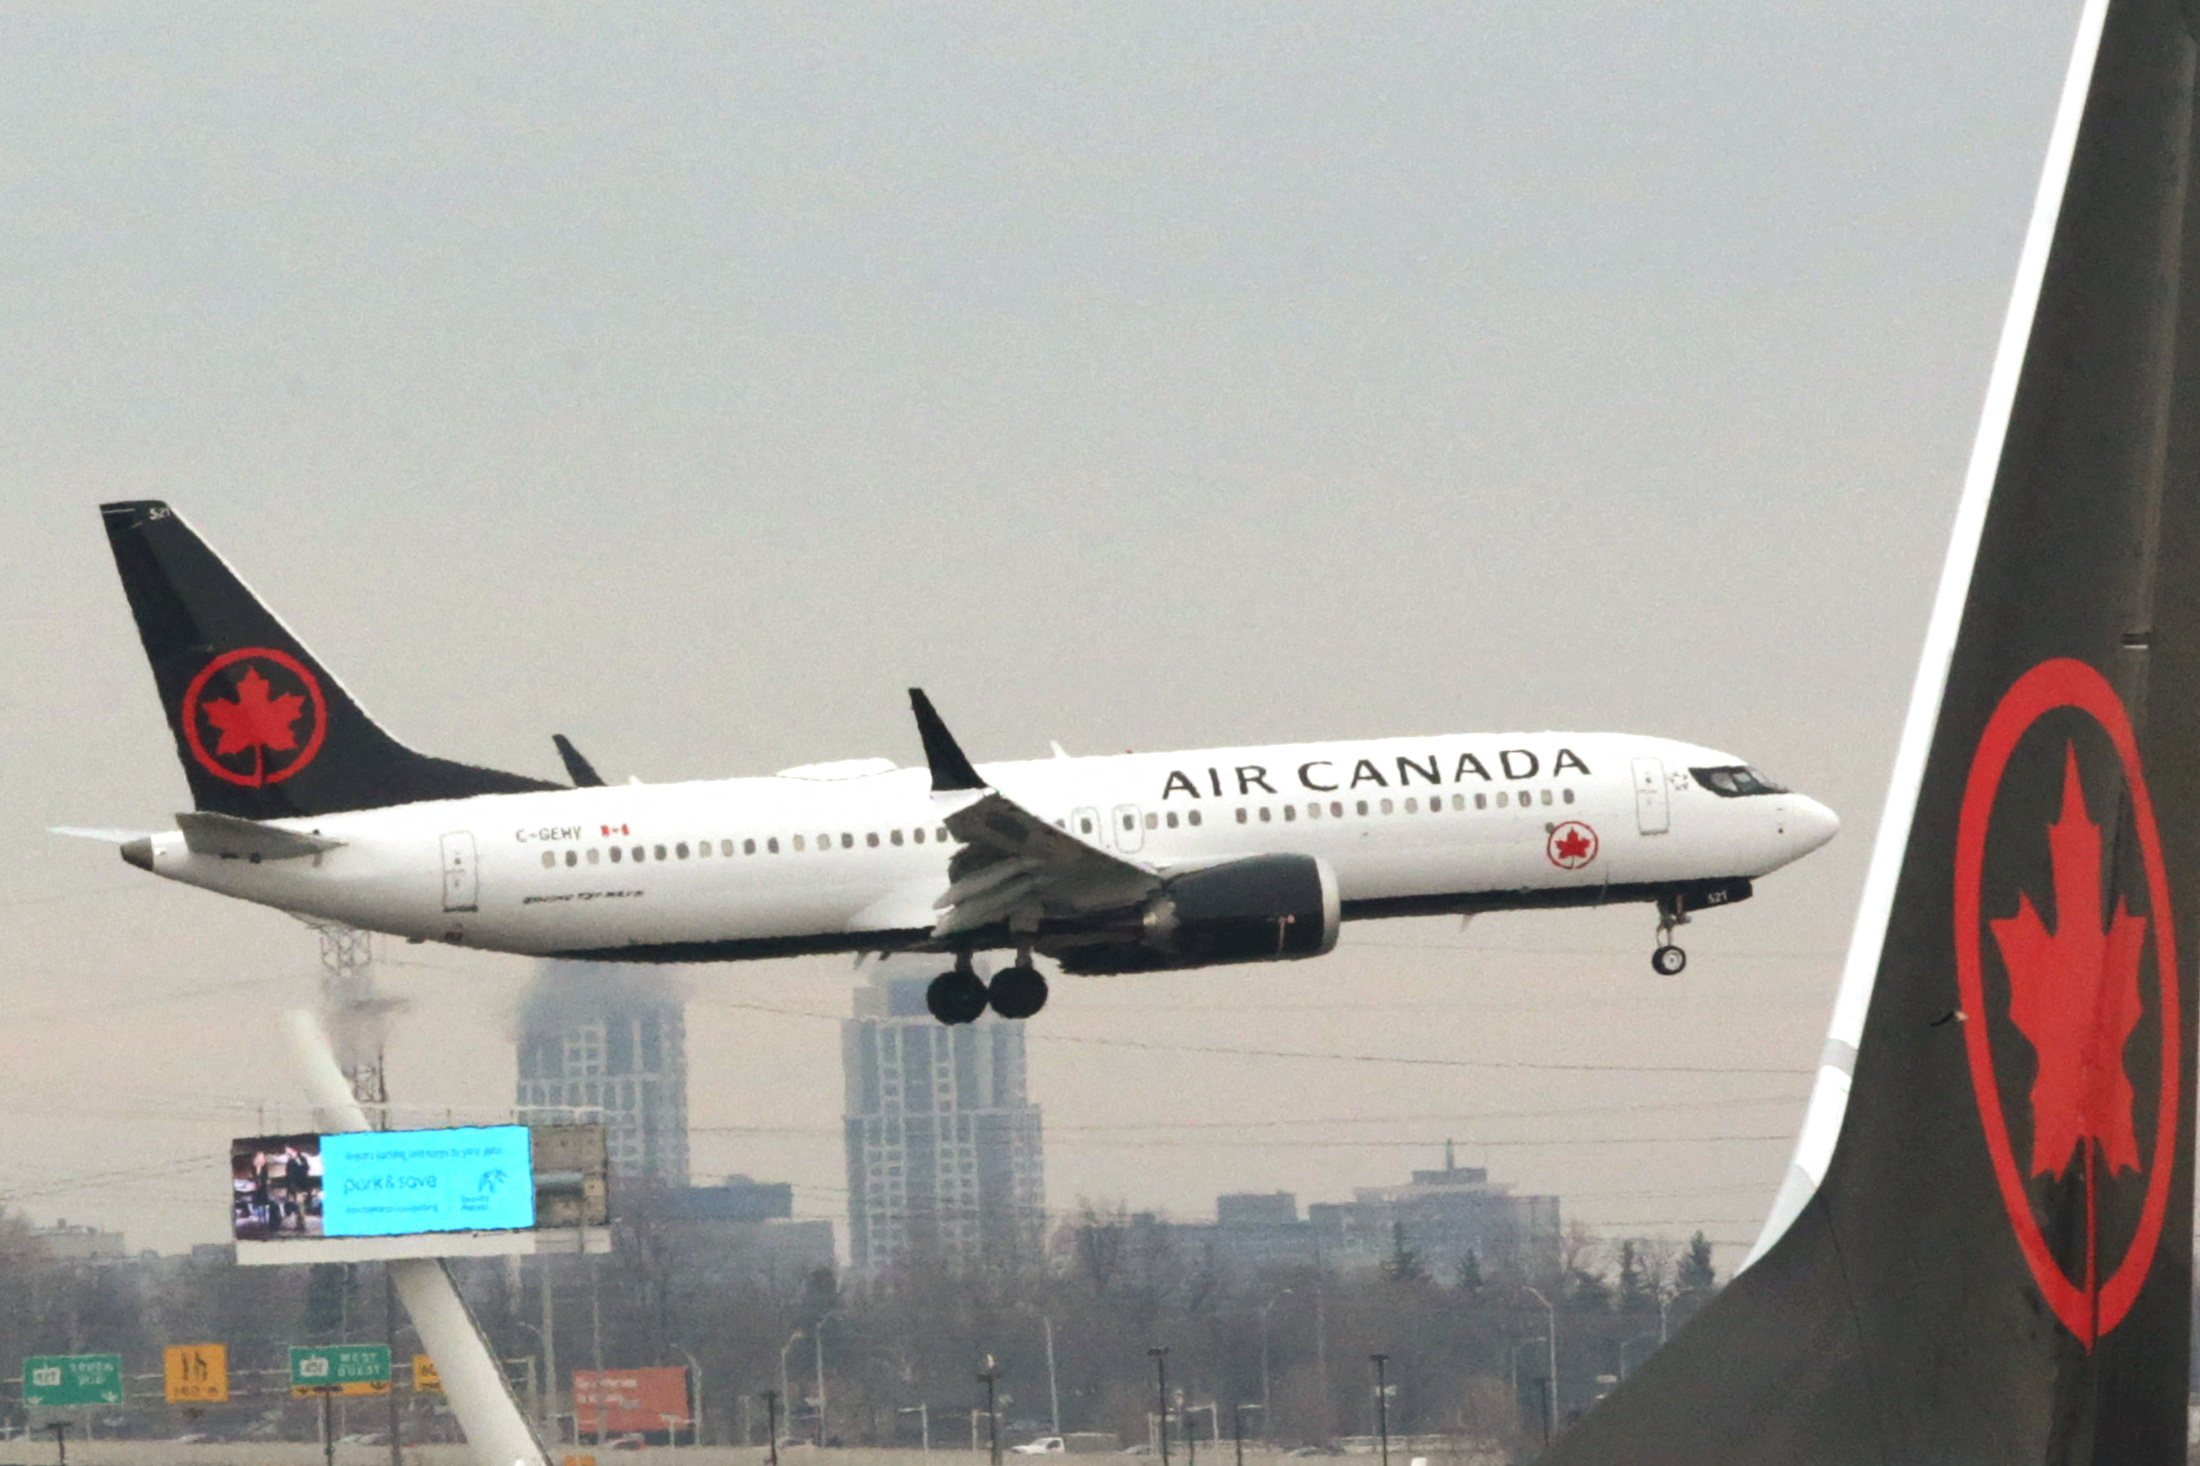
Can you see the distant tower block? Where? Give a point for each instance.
(609, 1039)
(944, 1147)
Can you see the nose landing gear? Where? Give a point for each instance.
(1668, 959)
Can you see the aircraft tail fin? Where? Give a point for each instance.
(262, 728)
(1984, 1252)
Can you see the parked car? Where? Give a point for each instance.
(1046, 1445)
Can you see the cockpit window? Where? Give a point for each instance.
(1736, 781)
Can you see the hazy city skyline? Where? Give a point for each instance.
(692, 382)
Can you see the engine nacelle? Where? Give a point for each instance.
(1264, 908)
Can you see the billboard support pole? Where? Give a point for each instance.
(496, 1427)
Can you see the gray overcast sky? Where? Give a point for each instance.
(692, 379)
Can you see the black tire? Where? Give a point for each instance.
(956, 997)
(1018, 992)
(1668, 961)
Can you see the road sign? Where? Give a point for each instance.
(425, 1380)
(340, 1369)
(197, 1374)
(72, 1379)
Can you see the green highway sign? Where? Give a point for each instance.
(333, 1366)
(72, 1379)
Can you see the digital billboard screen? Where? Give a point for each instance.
(275, 1187)
(383, 1183)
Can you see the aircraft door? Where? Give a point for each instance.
(1130, 834)
(1653, 816)
(461, 884)
(1085, 825)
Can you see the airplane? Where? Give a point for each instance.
(1983, 1250)
(1122, 863)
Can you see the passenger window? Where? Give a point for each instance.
(798, 845)
(616, 855)
(824, 842)
(680, 850)
(1500, 799)
(1386, 806)
(549, 858)
(658, 853)
(1314, 810)
(847, 841)
(870, 838)
(1291, 812)
(1481, 801)
(1458, 802)
(572, 857)
(594, 855)
(702, 847)
(1567, 795)
(1084, 826)
(1413, 805)
(943, 834)
(1336, 809)
(771, 845)
(1266, 814)
(725, 847)
(1153, 822)
(1363, 808)
(748, 847)
(896, 837)
(1193, 816)
(1241, 814)
(1546, 796)
(919, 834)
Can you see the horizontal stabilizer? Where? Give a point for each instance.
(110, 837)
(206, 833)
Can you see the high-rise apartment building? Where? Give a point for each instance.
(608, 1041)
(944, 1146)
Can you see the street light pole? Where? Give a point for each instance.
(784, 1392)
(1161, 1396)
(992, 1416)
(1551, 1424)
(695, 1373)
(1382, 1405)
(1054, 1391)
(817, 1339)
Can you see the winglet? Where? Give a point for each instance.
(577, 767)
(951, 771)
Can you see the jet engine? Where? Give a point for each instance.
(1264, 908)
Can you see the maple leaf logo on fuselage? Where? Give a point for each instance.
(2074, 995)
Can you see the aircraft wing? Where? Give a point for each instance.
(1013, 866)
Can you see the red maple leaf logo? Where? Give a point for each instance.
(2074, 995)
(1573, 845)
(254, 722)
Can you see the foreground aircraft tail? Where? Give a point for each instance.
(1985, 1253)
(262, 728)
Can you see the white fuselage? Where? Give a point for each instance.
(854, 856)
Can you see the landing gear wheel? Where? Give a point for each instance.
(956, 997)
(1019, 991)
(1668, 960)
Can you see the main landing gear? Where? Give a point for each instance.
(961, 996)
(1668, 959)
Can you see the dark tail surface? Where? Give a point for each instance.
(1995, 1266)
(262, 728)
